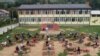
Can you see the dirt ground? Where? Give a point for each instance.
(37, 50)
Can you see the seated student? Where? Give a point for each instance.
(28, 43)
(69, 45)
(49, 47)
(90, 37)
(23, 48)
(63, 39)
(66, 43)
(10, 42)
(96, 38)
(95, 45)
(16, 37)
(29, 35)
(17, 49)
(35, 39)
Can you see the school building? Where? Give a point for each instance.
(68, 14)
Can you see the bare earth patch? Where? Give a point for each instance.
(37, 50)
(32, 29)
(50, 32)
(70, 29)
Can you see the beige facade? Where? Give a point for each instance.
(69, 14)
(54, 16)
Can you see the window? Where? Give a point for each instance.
(57, 12)
(39, 19)
(27, 11)
(38, 11)
(80, 19)
(33, 19)
(98, 15)
(80, 11)
(86, 11)
(62, 12)
(87, 19)
(46, 12)
(93, 15)
(68, 11)
(73, 19)
(20, 12)
(32, 12)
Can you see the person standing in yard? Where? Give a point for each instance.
(46, 29)
(78, 50)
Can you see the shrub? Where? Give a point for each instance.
(98, 54)
(87, 55)
(62, 54)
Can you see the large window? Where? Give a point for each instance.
(80, 19)
(94, 15)
(86, 19)
(63, 19)
(20, 12)
(27, 11)
(62, 12)
(33, 20)
(32, 12)
(86, 11)
(57, 11)
(73, 19)
(39, 19)
(68, 11)
(98, 15)
(80, 11)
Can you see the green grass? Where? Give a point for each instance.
(87, 29)
(17, 30)
(87, 54)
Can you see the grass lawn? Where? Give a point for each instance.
(87, 29)
(17, 30)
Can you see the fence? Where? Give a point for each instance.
(7, 28)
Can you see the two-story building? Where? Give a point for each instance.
(69, 14)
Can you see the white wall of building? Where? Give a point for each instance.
(7, 28)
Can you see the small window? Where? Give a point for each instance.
(80, 19)
(20, 12)
(98, 15)
(27, 11)
(32, 12)
(93, 15)
(80, 12)
(73, 19)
